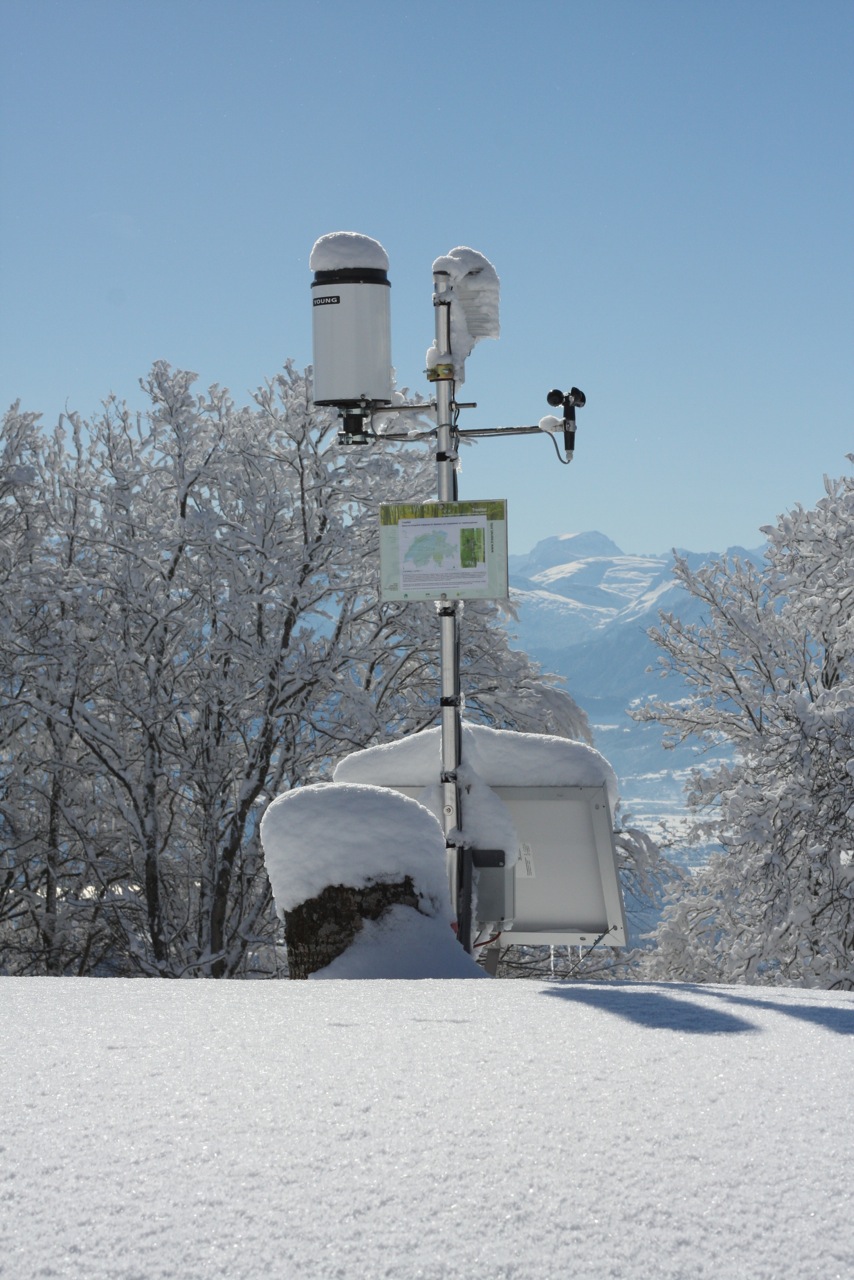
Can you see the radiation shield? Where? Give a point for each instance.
(351, 333)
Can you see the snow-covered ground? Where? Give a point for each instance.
(190, 1130)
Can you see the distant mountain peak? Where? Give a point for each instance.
(589, 543)
(565, 547)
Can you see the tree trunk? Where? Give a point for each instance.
(320, 929)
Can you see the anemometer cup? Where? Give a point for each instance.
(570, 400)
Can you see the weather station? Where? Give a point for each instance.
(447, 550)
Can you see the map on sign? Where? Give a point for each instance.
(444, 550)
(431, 546)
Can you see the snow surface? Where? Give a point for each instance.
(430, 1130)
(342, 249)
(498, 757)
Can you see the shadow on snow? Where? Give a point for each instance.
(672, 1008)
(659, 1009)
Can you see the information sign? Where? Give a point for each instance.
(444, 550)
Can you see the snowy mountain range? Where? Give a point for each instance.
(584, 610)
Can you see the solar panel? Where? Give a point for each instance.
(566, 885)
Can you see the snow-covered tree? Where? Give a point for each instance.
(771, 669)
(192, 627)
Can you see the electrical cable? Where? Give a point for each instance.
(487, 941)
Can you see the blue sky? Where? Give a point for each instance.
(665, 188)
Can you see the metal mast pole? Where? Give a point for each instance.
(459, 869)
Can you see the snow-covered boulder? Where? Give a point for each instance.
(387, 855)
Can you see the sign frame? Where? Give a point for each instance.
(444, 550)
